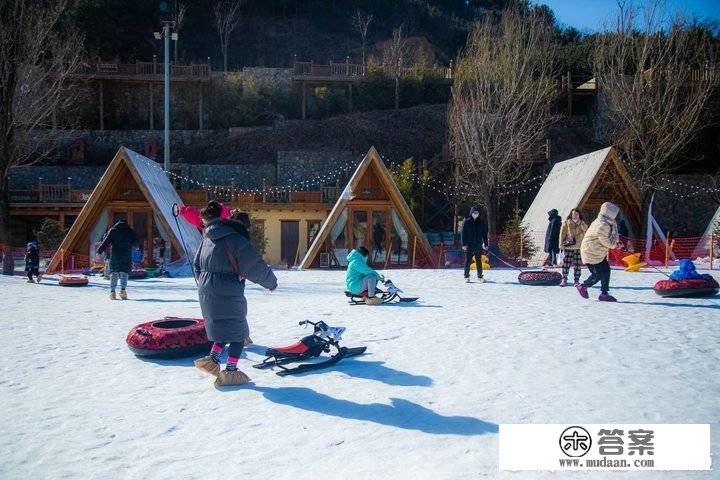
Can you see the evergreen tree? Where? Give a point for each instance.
(515, 234)
(50, 234)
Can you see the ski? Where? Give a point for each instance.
(306, 367)
(270, 362)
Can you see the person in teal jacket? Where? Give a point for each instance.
(361, 277)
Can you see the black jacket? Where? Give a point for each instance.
(474, 234)
(32, 258)
(122, 238)
(238, 227)
(552, 235)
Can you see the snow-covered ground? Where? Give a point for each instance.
(424, 402)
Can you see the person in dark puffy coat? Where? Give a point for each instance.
(223, 262)
(32, 262)
(552, 237)
(122, 239)
(474, 242)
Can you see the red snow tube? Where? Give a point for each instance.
(137, 274)
(171, 337)
(72, 281)
(694, 288)
(540, 277)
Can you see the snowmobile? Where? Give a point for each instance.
(323, 338)
(391, 293)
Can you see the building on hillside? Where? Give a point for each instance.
(585, 182)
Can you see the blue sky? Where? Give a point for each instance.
(591, 14)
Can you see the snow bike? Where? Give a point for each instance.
(323, 338)
(391, 293)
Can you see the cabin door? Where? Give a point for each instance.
(368, 227)
(289, 241)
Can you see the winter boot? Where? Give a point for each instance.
(582, 290)
(373, 300)
(39, 277)
(467, 279)
(208, 365)
(604, 297)
(123, 295)
(481, 280)
(231, 377)
(112, 295)
(30, 280)
(564, 282)
(248, 341)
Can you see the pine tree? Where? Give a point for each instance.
(50, 234)
(510, 240)
(257, 237)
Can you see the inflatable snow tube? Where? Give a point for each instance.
(540, 277)
(171, 337)
(692, 288)
(137, 274)
(72, 281)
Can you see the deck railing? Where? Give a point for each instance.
(141, 69)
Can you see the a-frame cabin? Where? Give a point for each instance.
(585, 182)
(370, 212)
(136, 189)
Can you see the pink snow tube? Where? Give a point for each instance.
(192, 215)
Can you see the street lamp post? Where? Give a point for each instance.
(166, 36)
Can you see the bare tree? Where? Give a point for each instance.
(501, 102)
(361, 22)
(36, 57)
(227, 19)
(178, 18)
(394, 59)
(655, 76)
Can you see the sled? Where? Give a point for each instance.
(386, 296)
(323, 339)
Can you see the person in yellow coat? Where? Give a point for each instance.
(572, 233)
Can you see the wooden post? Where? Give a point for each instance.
(350, 98)
(302, 88)
(200, 109)
(712, 241)
(40, 190)
(152, 107)
(414, 250)
(667, 249)
(102, 111)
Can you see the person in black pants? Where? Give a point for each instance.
(32, 262)
(552, 236)
(474, 242)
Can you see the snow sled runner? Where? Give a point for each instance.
(391, 293)
(322, 340)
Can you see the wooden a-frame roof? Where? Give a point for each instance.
(370, 163)
(157, 190)
(579, 182)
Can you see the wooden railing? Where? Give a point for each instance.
(271, 195)
(331, 70)
(46, 193)
(141, 69)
